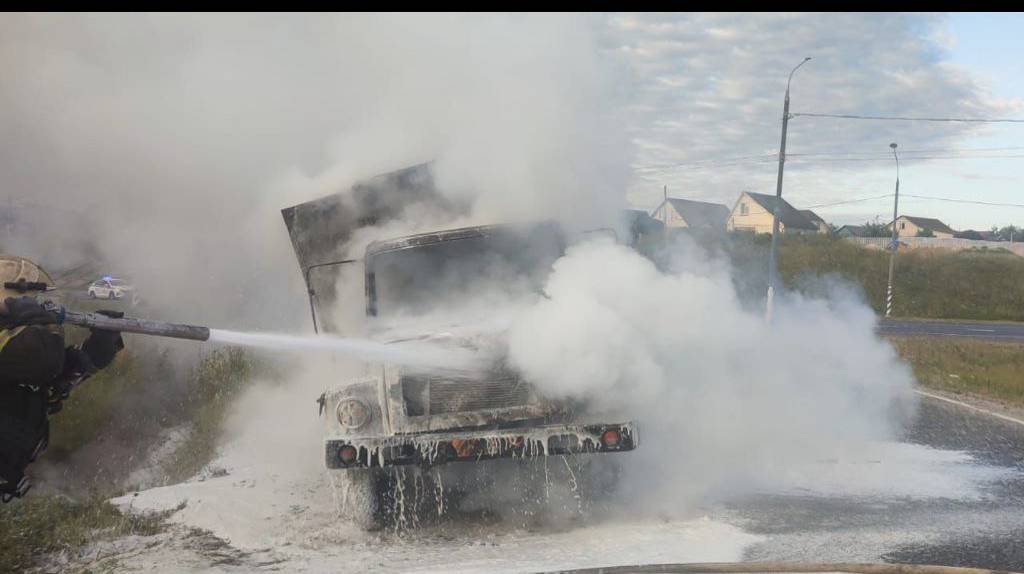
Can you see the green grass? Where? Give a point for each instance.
(993, 370)
(40, 525)
(802, 259)
(960, 285)
(982, 284)
(91, 406)
(216, 382)
(929, 283)
(137, 398)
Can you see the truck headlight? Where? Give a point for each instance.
(353, 413)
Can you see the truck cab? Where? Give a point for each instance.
(400, 415)
(395, 419)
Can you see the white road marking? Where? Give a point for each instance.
(971, 407)
(993, 335)
(985, 337)
(982, 330)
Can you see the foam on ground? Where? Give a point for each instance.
(885, 470)
(289, 513)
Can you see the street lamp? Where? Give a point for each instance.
(772, 271)
(895, 235)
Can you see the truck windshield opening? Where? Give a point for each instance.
(502, 263)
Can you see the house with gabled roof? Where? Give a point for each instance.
(815, 219)
(910, 226)
(852, 231)
(754, 212)
(697, 215)
(978, 234)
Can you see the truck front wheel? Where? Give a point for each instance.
(376, 498)
(360, 497)
(599, 482)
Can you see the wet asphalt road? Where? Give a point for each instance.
(983, 533)
(1011, 332)
(996, 442)
(980, 526)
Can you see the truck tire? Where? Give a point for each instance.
(399, 498)
(599, 481)
(360, 497)
(577, 488)
(409, 497)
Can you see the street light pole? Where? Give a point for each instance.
(895, 235)
(772, 271)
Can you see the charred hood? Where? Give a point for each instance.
(320, 229)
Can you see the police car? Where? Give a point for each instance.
(111, 288)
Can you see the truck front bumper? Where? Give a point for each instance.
(431, 449)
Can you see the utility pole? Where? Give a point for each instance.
(895, 235)
(664, 215)
(664, 206)
(772, 271)
(10, 218)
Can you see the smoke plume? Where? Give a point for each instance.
(724, 400)
(167, 145)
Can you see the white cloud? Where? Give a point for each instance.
(713, 87)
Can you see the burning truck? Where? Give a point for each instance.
(398, 417)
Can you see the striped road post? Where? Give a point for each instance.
(888, 301)
(894, 245)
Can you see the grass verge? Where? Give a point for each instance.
(40, 525)
(216, 382)
(993, 370)
(133, 397)
(929, 283)
(93, 406)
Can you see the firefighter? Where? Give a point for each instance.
(37, 370)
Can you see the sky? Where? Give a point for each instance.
(713, 89)
(989, 46)
(169, 142)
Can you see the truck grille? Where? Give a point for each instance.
(433, 395)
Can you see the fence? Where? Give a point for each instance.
(1017, 248)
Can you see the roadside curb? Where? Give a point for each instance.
(779, 567)
(969, 406)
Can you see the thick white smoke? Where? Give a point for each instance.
(724, 400)
(170, 143)
(726, 404)
(166, 145)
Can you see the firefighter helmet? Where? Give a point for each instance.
(20, 277)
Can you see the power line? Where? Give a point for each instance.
(832, 159)
(908, 151)
(925, 197)
(808, 161)
(906, 119)
(820, 157)
(966, 201)
(850, 201)
(714, 161)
